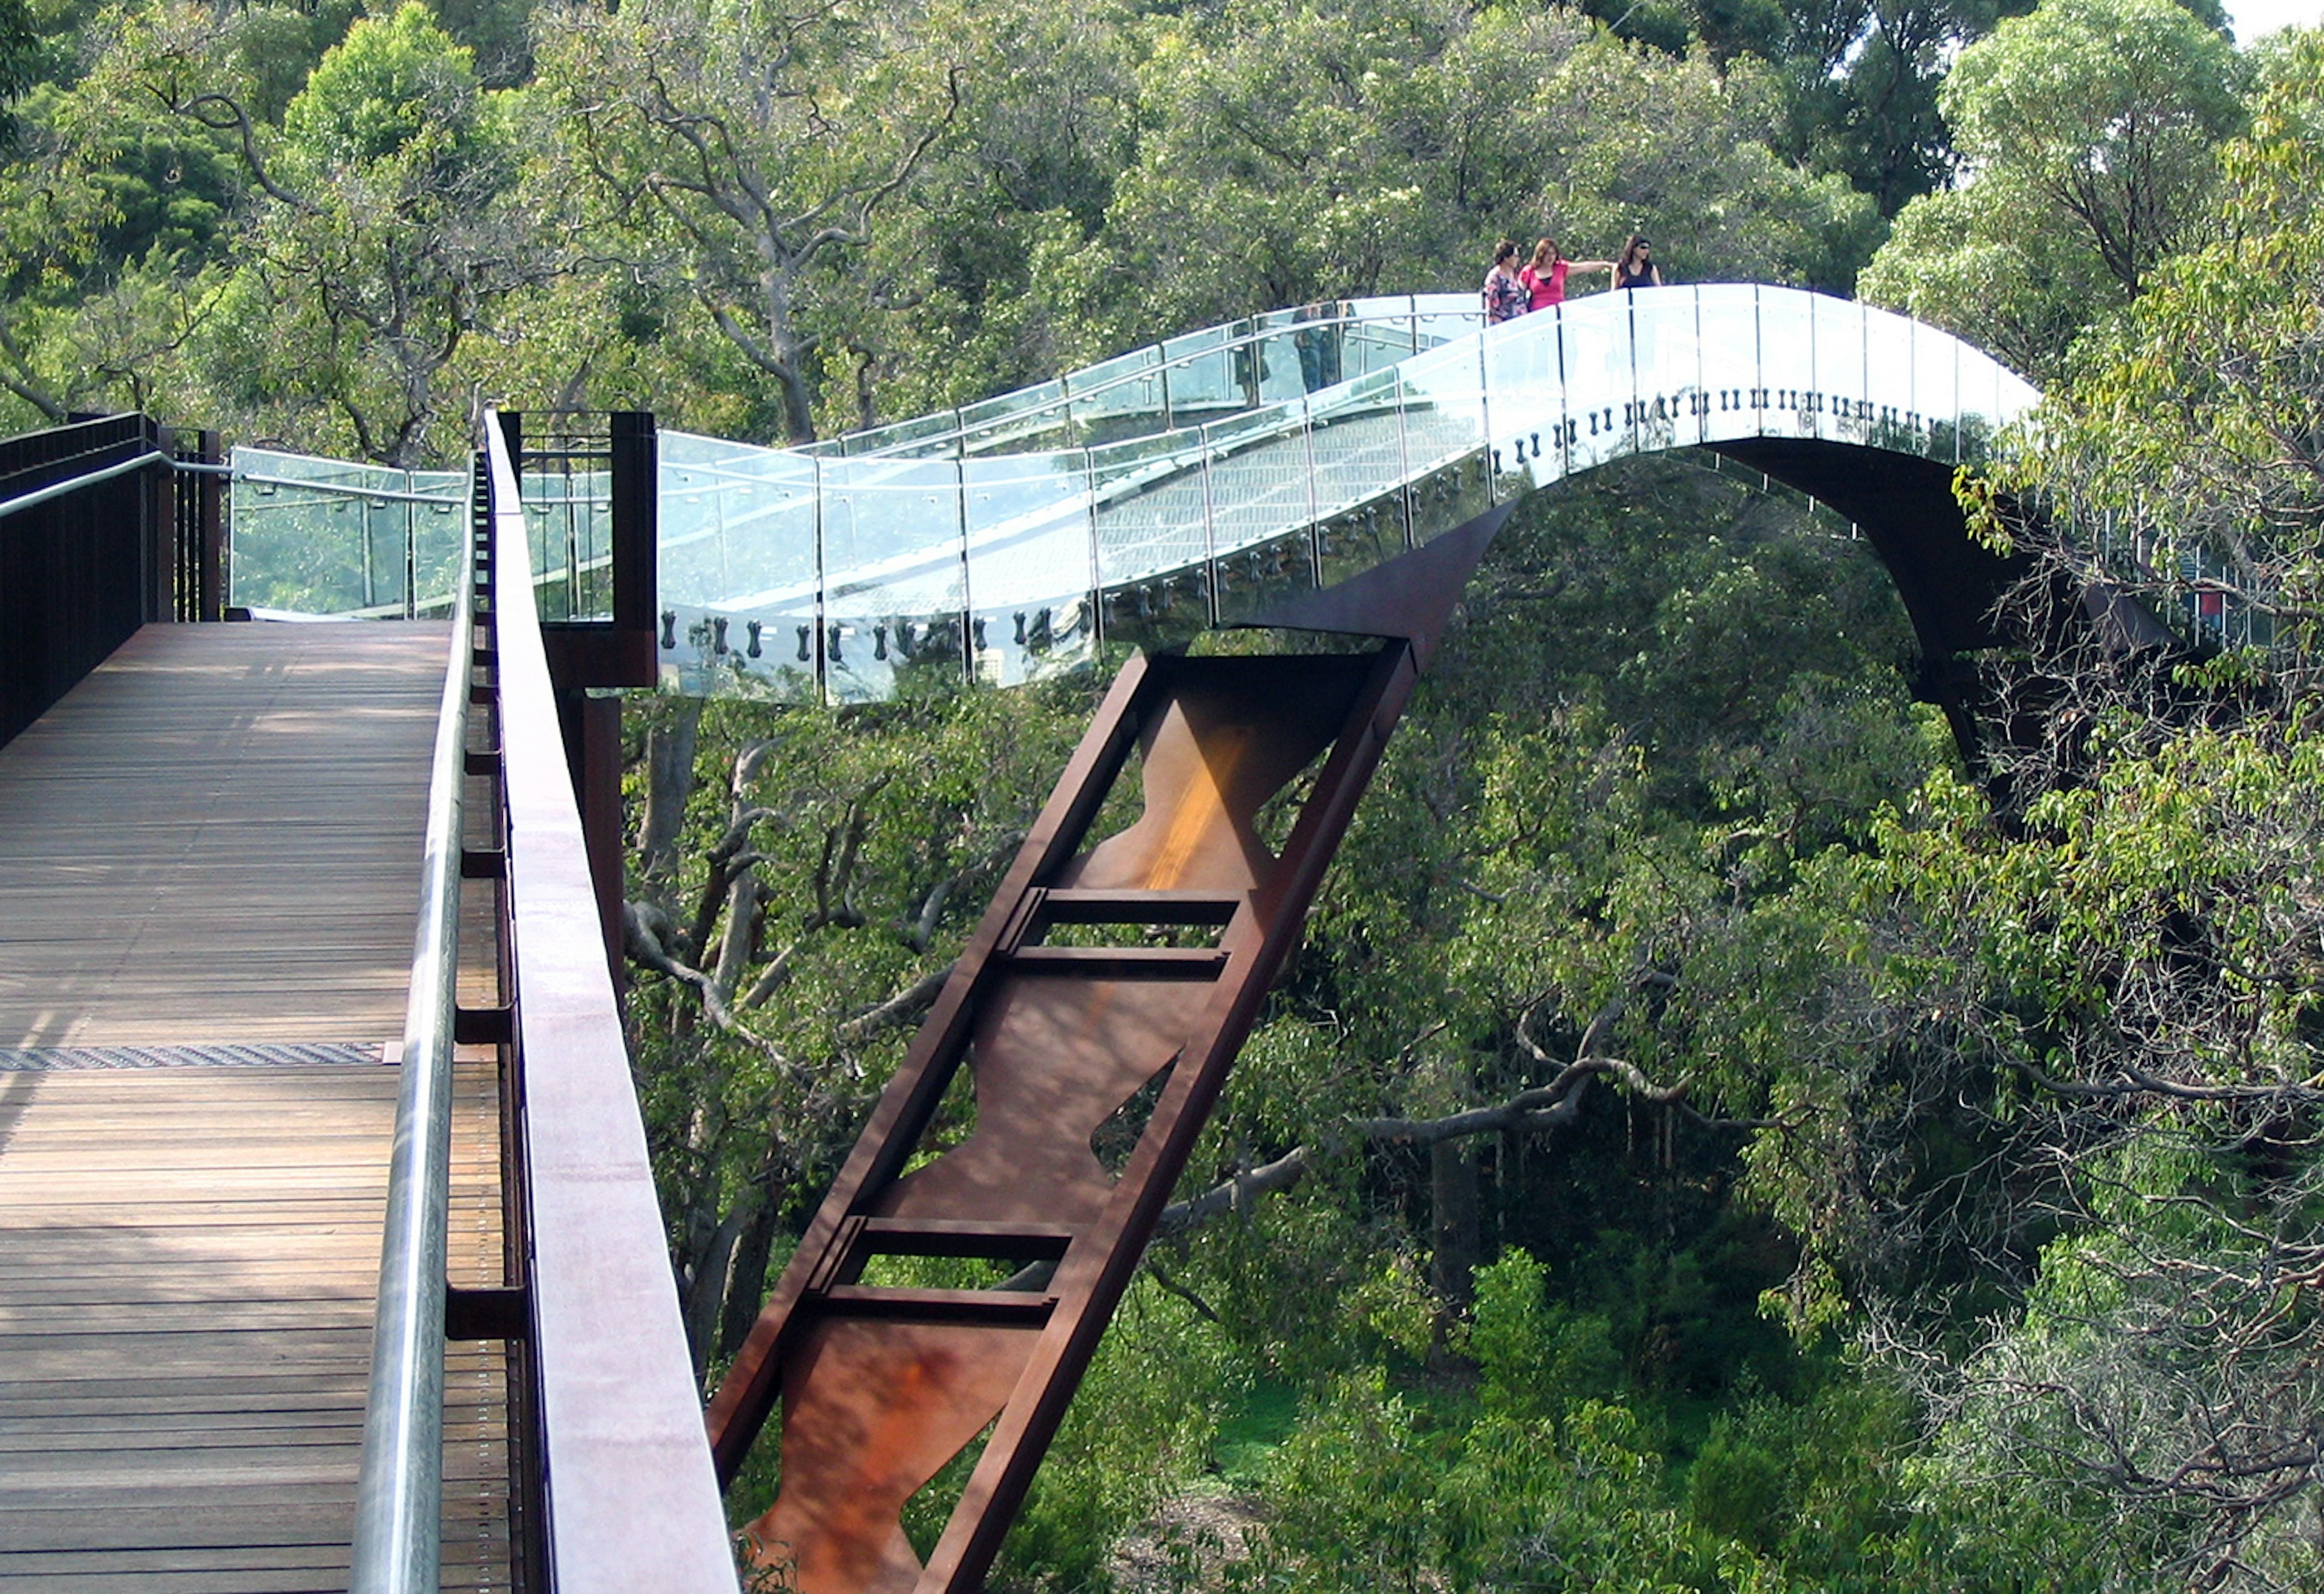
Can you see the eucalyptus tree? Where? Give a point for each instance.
(2095, 1086)
(2086, 128)
(743, 153)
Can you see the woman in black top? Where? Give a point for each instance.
(1635, 266)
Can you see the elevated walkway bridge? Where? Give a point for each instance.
(327, 1251)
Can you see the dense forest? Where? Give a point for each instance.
(1707, 1141)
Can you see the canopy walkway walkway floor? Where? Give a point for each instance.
(209, 856)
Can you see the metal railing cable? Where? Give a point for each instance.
(399, 1501)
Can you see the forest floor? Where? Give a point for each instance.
(1192, 1535)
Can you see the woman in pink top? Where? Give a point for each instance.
(1544, 275)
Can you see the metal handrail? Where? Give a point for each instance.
(76, 483)
(400, 1489)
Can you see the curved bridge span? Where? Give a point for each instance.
(1114, 977)
(1231, 476)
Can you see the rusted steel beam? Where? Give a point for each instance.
(875, 1387)
(879, 1387)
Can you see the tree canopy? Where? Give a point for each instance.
(1705, 1143)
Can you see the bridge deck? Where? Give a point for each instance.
(209, 863)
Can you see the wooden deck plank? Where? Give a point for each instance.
(216, 840)
(216, 837)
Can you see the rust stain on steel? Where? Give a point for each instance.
(871, 1412)
(878, 1387)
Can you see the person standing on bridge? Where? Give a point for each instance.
(1544, 275)
(1635, 267)
(1505, 298)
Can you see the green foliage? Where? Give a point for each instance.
(2088, 127)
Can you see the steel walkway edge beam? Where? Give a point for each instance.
(631, 1503)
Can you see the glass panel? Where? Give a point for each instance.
(1355, 443)
(1936, 395)
(1259, 477)
(1148, 497)
(737, 527)
(1444, 438)
(1285, 357)
(1727, 317)
(1118, 399)
(1665, 355)
(1978, 393)
(1524, 399)
(894, 588)
(1202, 376)
(1839, 396)
(439, 541)
(1787, 357)
(1888, 375)
(737, 544)
(337, 537)
(930, 435)
(570, 520)
(1031, 418)
(1376, 336)
(1030, 566)
(1444, 318)
(1254, 579)
(1594, 347)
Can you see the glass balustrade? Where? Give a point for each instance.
(1188, 484)
(330, 537)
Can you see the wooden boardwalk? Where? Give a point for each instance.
(209, 865)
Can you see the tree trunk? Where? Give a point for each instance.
(669, 781)
(1452, 1193)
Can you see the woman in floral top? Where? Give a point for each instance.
(1505, 298)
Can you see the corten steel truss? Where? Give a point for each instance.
(1076, 1001)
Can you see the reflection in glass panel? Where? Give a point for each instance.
(1148, 498)
(1837, 391)
(1355, 444)
(1255, 579)
(1155, 612)
(770, 657)
(1353, 539)
(1728, 317)
(1668, 370)
(1787, 359)
(1594, 348)
(1259, 477)
(1034, 640)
